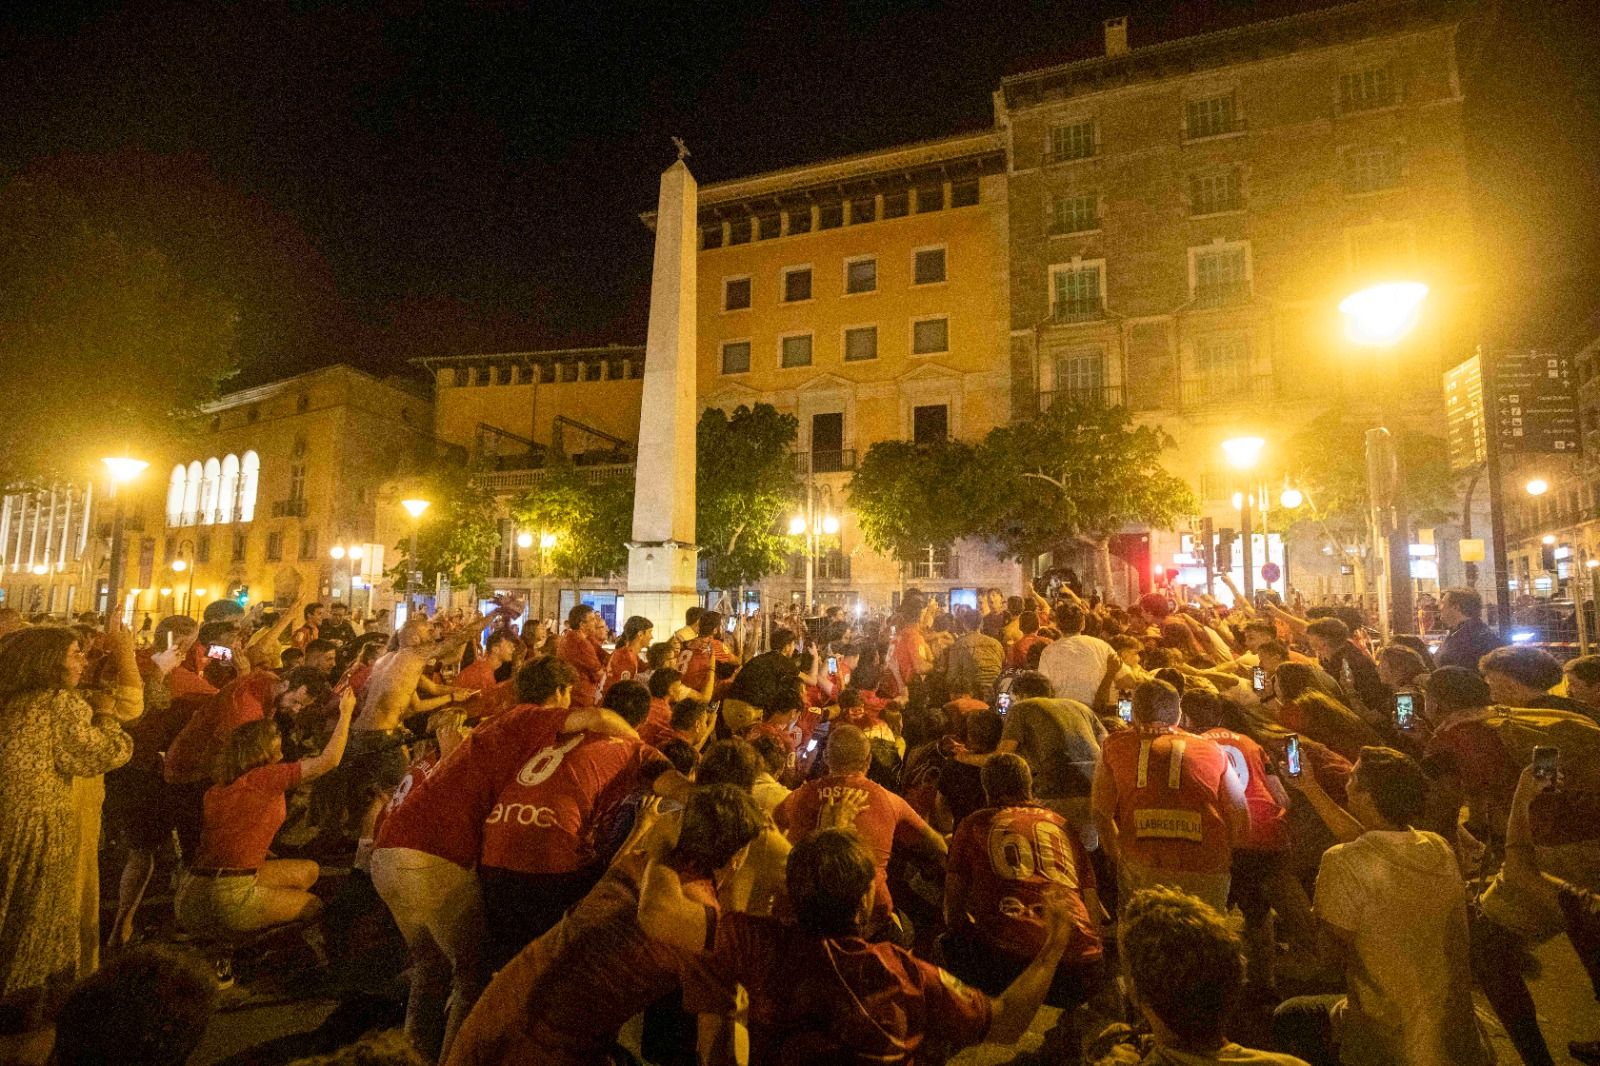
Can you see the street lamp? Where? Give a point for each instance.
(179, 565)
(1243, 453)
(1382, 315)
(414, 507)
(1537, 487)
(336, 552)
(524, 540)
(1291, 499)
(122, 469)
(818, 520)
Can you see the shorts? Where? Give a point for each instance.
(219, 906)
(375, 762)
(136, 808)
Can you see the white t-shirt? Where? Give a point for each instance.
(1410, 1001)
(1075, 666)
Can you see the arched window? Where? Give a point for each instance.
(208, 491)
(175, 496)
(249, 471)
(228, 495)
(191, 493)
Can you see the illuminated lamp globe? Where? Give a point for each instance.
(200, 592)
(40, 569)
(1291, 499)
(830, 525)
(1383, 314)
(1243, 452)
(1548, 539)
(337, 551)
(356, 551)
(414, 508)
(1537, 487)
(524, 540)
(1591, 563)
(166, 592)
(180, 565)
(1238, 501)
(123, 469)
(547, 540)
(797, 525)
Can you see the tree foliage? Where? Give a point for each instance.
(745, 485)
(106, 347)
(592, 520)
(907, 496)
(458, 533)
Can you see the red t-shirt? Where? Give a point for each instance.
(622, 666)
(196, 747)
(789, 738)
(422, 766)
(703, 655)
(1465, 745)
(241, 818)
(303, 636)
(840, 1000)
(444, 814)
(1010, 858)
(479, 677)
(585, 656)
(910, 651)
(1269, 826)
(184, 680)
(1169, 799)
(886, 820)
(544, 817)
(1017, 656)
(657, 735)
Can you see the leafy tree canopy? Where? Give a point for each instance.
(458, 533)
(745, 485)
(1327, 460)
(907, 496)
(592, 520)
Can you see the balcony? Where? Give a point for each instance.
(506, 482)
(825, 461)
(1215, 128)
(1102, 396)
(1222, 294)
(1073, 312)
(289, 509)
(833, 566)
(1069, 154)
(942, 567)
(1226, 390)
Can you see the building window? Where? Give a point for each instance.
(524, 376)
(482, 376)
(930, 198)
(1075, 213)
(862, 210)
(1371, 169)
(502, 375)
(1222, 362)
(569, 373)
(930, 336)
(930, 423)
(830, 216)
(796, 284)
(795, 350)
(1210, 194)
(1075, 292)
(1080, 375)
(739, 231)
(711, 236)
(736, 357)
(1363, 90)
(768, 226)
(1074, 140)
(896, 204)
(800, 220)
(308, 545)
(1221, 275)
(861, 275)
(1211, 117)
(239, 543)
(964, 193)
(591, 371)
(860, 344)
(927, 266)
(274, 547)
(202, 548)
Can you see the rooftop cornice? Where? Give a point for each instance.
(553, 355)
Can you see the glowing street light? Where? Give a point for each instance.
(1243, 453)
(121, 469)
(40, 569)
(524, 540)
(1381, 315)
(830, 525)
(180, 565)
(200, 592)
(1537, 487)
(165, 592)
(1291, 499)
(337, 551)
(1548, 539)
(797, 525)
(414, 507)
(356, 551)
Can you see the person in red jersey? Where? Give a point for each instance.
(1168, 805)
(627, 659)
(498, 651)
(911, 656)
(540, 852)
(885, 821)
(691, 721)
(817, 990)
(315, 615)
(701, 656)
(780, 722)
(580, 648)
(258, 695)
(565, 997)
(426, 851)
(1260, 877)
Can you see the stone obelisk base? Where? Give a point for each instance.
(661, 584)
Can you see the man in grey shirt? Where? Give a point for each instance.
(976, 658)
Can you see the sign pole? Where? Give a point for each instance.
(1497, 520)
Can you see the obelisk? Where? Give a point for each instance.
(661, 556)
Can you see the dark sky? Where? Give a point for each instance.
(373, 182)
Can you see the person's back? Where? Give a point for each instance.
(1169, 791)
(1268, 818)
(1075, 664)
(976, 658)
(1061, 740)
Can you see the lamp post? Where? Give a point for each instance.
(813, 524)
(181, 565)
(1243, 453)
(1379, 317)
(414, 507)
(122, 469)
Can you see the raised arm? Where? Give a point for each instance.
(1340, 822)
(264, 638)
(319, 764)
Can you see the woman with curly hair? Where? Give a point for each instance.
(50, 735)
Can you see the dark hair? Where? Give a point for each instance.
(1455, 688)
(1396, 784)
(578, 615)
(1585, 668)
(1418, 645)
(1329, 629)
(773, 753)
(848, 750)
(1069, 619)
(217, 631)
(1203, 708)
(320, 645)
(1006, 778)
(691, 615)
(718, 821)
(145, 1007)
(828, 874)
(729, 762)
(247, 748)
(501, 636)
(314, 681)
(687, 713)
(32, 660)
(630, 700)
(984, 729)
(1028, 622)
(1156, 701)
(1185, 963)
(1530, 666)
(1467, 601)
(540, 679)
(708, 623)
(311, 609)
(1261, 625)
(968, 620)
(181, 626)
(781, 638)
(681, 754)
(1273, 647)
(222, 611)
(1031, 685)
(1403, 662)
(289, 658)
(662, 678)
(631, 629)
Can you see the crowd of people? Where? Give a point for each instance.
(830, 838)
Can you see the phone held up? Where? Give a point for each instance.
(1545, 760)
(1125, 708)
(1002, 702)
(1405, 709)
(220, 652)
(833, 664)
(1258, 679)
(1291, 754)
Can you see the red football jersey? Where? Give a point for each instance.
(1169, 799)
(886, 819)
(1269, 827)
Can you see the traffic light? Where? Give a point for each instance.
(1225, 537)
(1547, 558)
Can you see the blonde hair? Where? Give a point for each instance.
(248, 747)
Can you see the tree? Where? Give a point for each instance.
(106, 346)
(744, 487)
(1077, 472)
(907, 496)
(458, 533)
(592, 520)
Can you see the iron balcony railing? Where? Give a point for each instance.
(1098, 396)
(1225, 389)
(938, 568)
(508, 481)
(1069, 312)
(1222, 294)
(825, 460)
(289, 508)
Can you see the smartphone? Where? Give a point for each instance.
(1545, 759)
(220, 652)
(811, 745)
(1291, 754)
(1405, 709)
(1258, 679)
(833, 664)
(1125, 708)
(1002, 702)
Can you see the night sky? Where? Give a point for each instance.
(374, 182)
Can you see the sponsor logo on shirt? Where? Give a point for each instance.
(1154, 823)
(523, 814)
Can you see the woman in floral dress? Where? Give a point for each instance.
(49, 735)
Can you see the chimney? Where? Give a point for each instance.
(1117, 36)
